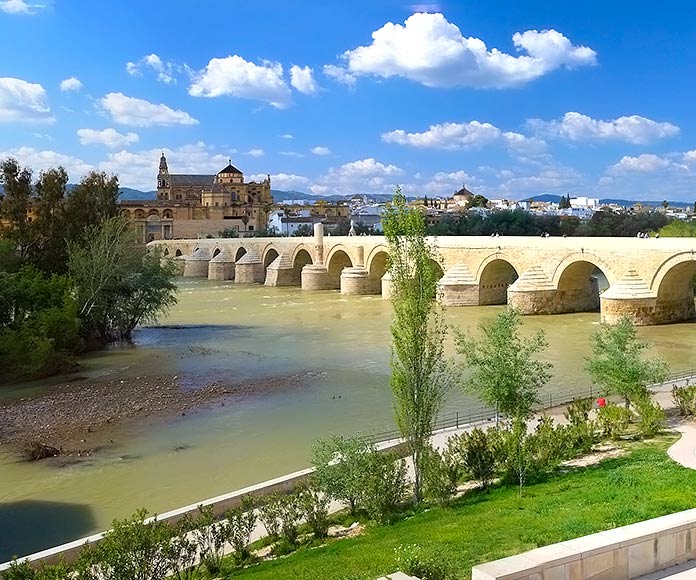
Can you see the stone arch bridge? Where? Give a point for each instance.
(650, 280)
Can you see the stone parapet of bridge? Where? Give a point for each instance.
(649, 280)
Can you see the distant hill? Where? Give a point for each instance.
(550, 198)
(129, 193)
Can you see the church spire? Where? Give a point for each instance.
(163, 169)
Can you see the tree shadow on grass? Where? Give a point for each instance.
(30, 526)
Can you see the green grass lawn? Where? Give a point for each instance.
(480, 527)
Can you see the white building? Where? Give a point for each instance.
(584, 203)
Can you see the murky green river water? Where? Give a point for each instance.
(336, 347)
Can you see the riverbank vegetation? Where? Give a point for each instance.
(437, 541)
(72, 278)
(522, 223)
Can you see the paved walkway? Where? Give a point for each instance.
(683, 452)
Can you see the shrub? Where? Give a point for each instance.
(242, 521)
(269, 514)
(477, 456)
(183, 551)
(550, 445)
(613, 420)
(437, 482)
(651, 417)
(412, 560)
(685, 399)
(211, 535)
(385, 486)
(290, 514)
(132, 549)
(19, 570)
(342, 465)
(581, 431)
(315, 509)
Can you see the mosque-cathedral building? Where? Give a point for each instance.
(191, 206)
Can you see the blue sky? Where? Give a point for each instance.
(512, 98)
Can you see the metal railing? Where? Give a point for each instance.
(466, 417)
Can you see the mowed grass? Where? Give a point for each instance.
(480, 527)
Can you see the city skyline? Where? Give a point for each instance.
(512, 101)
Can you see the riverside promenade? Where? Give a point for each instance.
(683, 451)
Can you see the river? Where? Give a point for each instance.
(335, 347)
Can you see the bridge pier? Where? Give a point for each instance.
(221, 267)
(315, 277)
(196, 265)
(629, 296)
(386, 286)
(532, 293)
(280, 272)
(249, 269)
(356, 281)
(458, 287)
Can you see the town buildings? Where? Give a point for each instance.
(190, 206)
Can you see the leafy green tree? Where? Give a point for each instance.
(342, 465)
(678, 229)
(303, 230)
(49, 252)
(618, 364)
(16, 203)
(133, 549)
(90, 203)
(505, 372)
(117, 286)
(477, 201)
(419, 376)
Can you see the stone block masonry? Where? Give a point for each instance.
(620, 554)
(648, 280)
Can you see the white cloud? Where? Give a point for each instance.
(471, 135)
(287, 136)
(321, 150)
(690, 156)
(432, 51)
(339, 74)
(71, 84)
(302, 78)
(292, 154)
(361, 176)
(23, 101)
(41, 160)
(630, 129)
(140, 113)
(234, 76)
(166, 70)
(444, 183)
(256, 152)
(645, 163)
(138, 169)
(284, 181)
(109, 137)
(20, 7)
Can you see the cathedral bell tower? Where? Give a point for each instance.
(163, 179)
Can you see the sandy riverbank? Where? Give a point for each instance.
(80, 418)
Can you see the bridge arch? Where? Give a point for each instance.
(301, 258)
(178, 253)
(495, 273)
(269, 254)
(579, 279)
(166, 252)
(216, 252)
(674, 283)
(377, 264)
(239, 253)
(338, 260)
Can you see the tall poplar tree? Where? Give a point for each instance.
(617, 363)
(418, 379)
